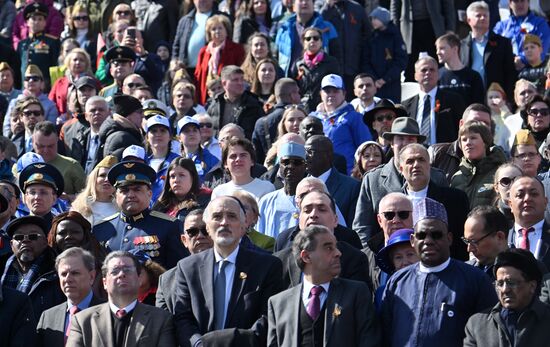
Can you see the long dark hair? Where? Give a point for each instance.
(167, 198)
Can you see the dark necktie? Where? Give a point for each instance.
(72, 311)
(121, 314)
(314, 304)
(426, 124)
(219, 297)
(524, 244)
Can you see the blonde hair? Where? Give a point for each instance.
(87, 59)
(218, 19)
(83, 201)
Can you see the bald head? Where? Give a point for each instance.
(389, 210)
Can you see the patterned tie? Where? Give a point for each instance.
(121, 314)
(314, 304)
(524, 244)
(72, 311)
(219, 297)
(426, 124)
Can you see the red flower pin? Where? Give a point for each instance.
(437, 105)
(493, 43)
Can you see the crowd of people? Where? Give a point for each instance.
(274, 173)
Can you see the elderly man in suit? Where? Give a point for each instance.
(76, 270)
(437, 111)
(343, 189)
(530, 231)
(122, 321)
(222, 293)
(322, 310)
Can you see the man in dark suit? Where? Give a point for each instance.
(323, 310)
(123, 321)
(76, 270)
(343, 189)
(489, 54)
(222, 293)
(318, 208)
(530, 231)
(437, 111)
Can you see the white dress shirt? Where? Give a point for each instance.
(306, 293)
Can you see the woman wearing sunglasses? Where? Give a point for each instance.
(80, 27)
(536, 118)
(314, 65)
(475, 175)
(504, 177)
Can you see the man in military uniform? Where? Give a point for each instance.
(121, 64)
(135, 226)
(39, 48)
(41, 185)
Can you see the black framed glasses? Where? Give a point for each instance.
(475, 242)
(435, 235)
(292, 161)
(81, 18)
(132, 85)
(389, 215)
(192, 232)
(528, 155)
(29, 237)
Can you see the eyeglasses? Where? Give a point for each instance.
(293, 162)
(192, 232)
(82, 18)
(314, 38)
(123, 13)
(512, 284)
(475, 242)
(33, 78)
(528, 155)
(32, 113)
(390, 215)
(124, 269)
(435, 235)
(132, 85)
(206, 125)
(506, 181)
(543, 112)
(29, 237)
(383, 117)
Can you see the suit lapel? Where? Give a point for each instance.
(488, 49)
(294, 271)
(207, 283)
(294, 314)
(333, 308)
(103, 326)
(241, 267)
(140, 318)
(59, 317)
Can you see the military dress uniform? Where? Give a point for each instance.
(118, 53)
(155, 233)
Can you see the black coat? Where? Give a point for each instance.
(16, 319)
(114, 138)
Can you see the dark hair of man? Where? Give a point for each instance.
(194, 213)
(87, 258)
(119, 254)
(281, 89)
(332, 203)
(46, 128)
(493, 220)
(476, 107)
(477, 127)
(536, 179)
(305, 241)
(25, 102)
(364, 75)
(244, 143)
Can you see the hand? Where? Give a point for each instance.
(129, 42)
(518, 63)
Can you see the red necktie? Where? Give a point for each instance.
(120, 313)
(314, 304)
(525, 238)
(72, 311)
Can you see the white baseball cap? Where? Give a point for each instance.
(134, 151)
(332, 80)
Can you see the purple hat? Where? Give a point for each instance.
(428, 209)
(383, 256)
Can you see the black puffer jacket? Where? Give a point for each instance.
(115, 134)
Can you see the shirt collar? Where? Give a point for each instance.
(84, 304)
(538, 226)
(431, 93)
(485, 38)
(308, 285)
(324, 176)
(338, 109)
(128, 308)
(232, 258)
(434, 269)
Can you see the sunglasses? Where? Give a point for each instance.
(133, 85)
(192, 232)
(206, 125)
(401, 214)
(506, 181)
(294, 162)
(82, 18)
(384, 117)
(314, 38)
(32, 79)
(32, 113)
(30, 237)
(435, 235)
(543, 112)
(123, 13)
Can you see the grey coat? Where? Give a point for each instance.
(442, 15)
(487, 329)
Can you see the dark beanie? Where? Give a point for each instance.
(126, 104)
(521, 259)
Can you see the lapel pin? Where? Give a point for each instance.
(337, 311)
(242, 275)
